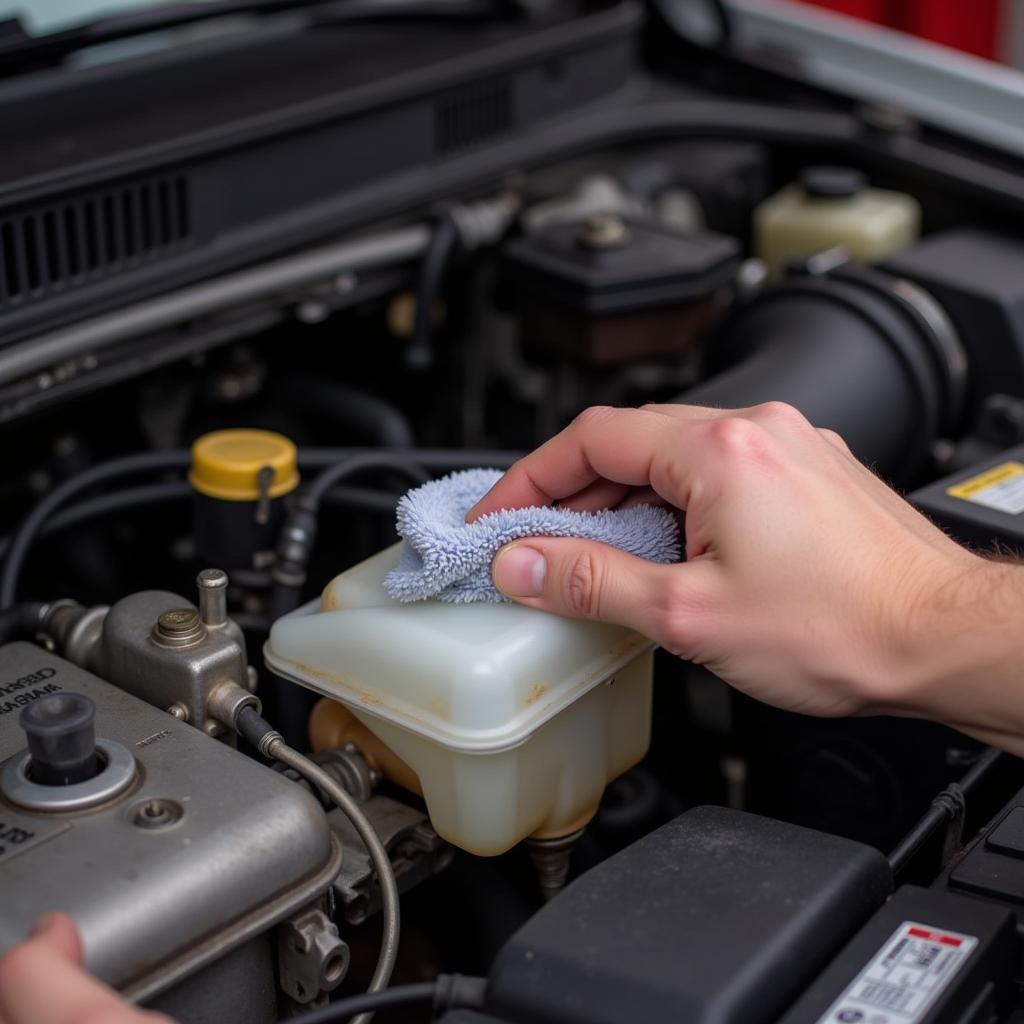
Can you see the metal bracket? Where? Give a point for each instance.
(312, 957)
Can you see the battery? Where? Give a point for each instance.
(926, 957)
(981, 506)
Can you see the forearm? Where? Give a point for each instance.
(965, 658)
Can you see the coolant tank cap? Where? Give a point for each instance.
(227, 464)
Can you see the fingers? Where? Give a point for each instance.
(618, 445)
(587, 580)
(613, 444)
(41, 983)
(601, 494)
(606, 452)
(641, 496)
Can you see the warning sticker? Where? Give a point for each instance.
(1001, 488)
(904, 978)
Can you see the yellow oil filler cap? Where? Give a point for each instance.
(232, 464)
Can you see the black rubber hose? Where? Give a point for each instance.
(428, 458)
(448, 992)
(406, 463)
(847, 357)
(369, 416)
(429, 286)
(20, 621)
(23, 536)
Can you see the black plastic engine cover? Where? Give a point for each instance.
(719, 916)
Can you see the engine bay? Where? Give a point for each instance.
(255, 287)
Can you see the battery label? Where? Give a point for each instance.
(1000, 488)
(904, 978)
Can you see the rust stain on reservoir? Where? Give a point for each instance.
(536, 692)
(362, 695)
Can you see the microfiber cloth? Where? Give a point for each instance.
(448, 559)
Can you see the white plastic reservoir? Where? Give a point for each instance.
(513, 720)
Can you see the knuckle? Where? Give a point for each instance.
(594, 414)
(582, 586)
(780, 413)
(668, 476)
(736, 436)
(834, 439)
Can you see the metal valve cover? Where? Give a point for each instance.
(204, 849)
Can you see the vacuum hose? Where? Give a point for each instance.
(866, 354)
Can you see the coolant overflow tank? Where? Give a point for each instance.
(512, 719)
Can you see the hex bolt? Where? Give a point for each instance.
(213, 596)
(179, 627)
(179, 711)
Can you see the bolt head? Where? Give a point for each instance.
(179, 627)
(178, 622)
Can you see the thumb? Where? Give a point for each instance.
(586, 580)
(59, 933)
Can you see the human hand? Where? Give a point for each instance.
(809, 583)
(42, 982)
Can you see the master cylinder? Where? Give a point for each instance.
(508, 720)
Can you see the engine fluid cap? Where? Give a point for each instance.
(244, 465)
(832, 182)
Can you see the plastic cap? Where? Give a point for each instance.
(227, 463)
(832, 182)
(61, 738)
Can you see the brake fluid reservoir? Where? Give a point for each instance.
(829, 207)
(512, 720)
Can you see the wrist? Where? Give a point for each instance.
(961, 656)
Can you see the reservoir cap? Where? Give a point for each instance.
(832, 182)
(226, 464)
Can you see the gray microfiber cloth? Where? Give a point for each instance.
(448, 559)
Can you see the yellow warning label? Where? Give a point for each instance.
(1000, 488)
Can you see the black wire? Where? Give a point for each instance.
(446, 992)
(44, 517)
(428, 458)
(25, 534)
(404, 462)
(177, 490)
(942, 809)
(368, 1002)
(106, 504)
